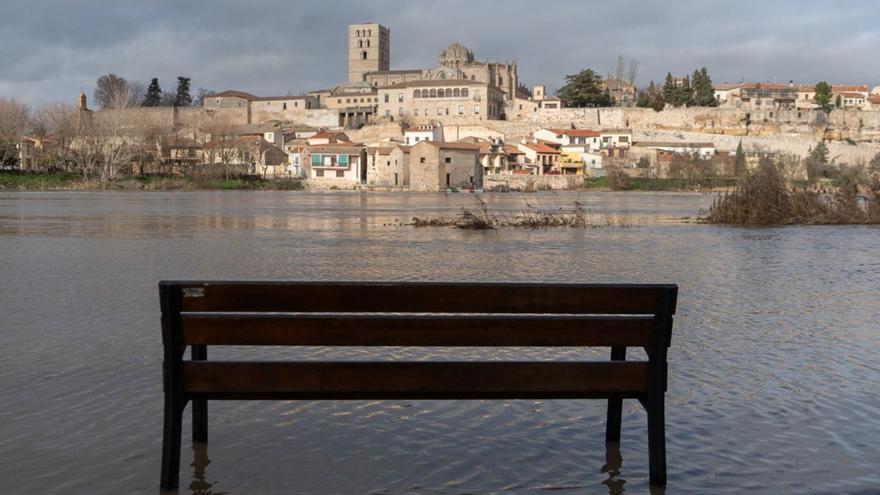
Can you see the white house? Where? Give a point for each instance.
(615, 138)
(424, 132)
(576, 139)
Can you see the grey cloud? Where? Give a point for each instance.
(52, 49)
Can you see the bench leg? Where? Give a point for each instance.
(200, 406)
(615, 406)
(657, 441)
(171, 443)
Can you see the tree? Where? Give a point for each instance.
(704, 92)
(823, 96)
(583, 90)
(644, 100)
(14, 121)
(670, 93)
(740, 167)
(154, 94)
(112, 91)
(201, 93)
(819, 154)
(183, 97)
(60, 121)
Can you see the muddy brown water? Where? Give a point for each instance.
(774, 372)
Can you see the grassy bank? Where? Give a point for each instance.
(646, 184)
(64, 181)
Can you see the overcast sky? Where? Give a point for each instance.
(52, 49)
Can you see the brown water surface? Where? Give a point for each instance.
(774, 372)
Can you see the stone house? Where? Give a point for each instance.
(438, 166)
(388, 166)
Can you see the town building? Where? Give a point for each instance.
(432, 100)
(388, 166)
(369, 50)
(337, 162)
(622, 92)
(541, 156)
(423, 132)
(438, 166)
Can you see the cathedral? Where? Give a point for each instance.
(370, 54)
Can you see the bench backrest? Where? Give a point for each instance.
(201, 314)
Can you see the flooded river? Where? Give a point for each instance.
(774, 364)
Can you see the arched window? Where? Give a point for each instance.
(417, 94)
(369, 32)
(368, 43)
(433, 93)
(448, 93)
(442, 75)
(425, 93)
(473, 78)
(456, 92)
(364, 55)
(358, 33)
(464, 92)
(360, 44)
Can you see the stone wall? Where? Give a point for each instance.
(532, 182)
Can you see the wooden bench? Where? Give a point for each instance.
(202, 314)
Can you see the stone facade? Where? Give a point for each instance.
(388, 166)
(369, 50)
(420, 101)
(439, 166)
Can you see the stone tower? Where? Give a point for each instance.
(369, 49)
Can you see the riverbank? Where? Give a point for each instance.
(66, 181)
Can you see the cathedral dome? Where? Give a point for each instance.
(455, 54)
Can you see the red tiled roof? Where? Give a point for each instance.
(874, 99)
(329, 135)
(852, 95)
(512, 150)
(541, 148)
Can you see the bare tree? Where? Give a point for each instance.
(632, 71)
(112, 91)
(107, 142)
(56, 124)
(14, 122)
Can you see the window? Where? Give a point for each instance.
(339, 101)
(348, 100)
(416, 112)
(360, 44)
(395, 179)
(340, 173)
(477, 109)
(448, 93)
(343, 160)
(448, 180)
(624, 139)
(400, 97)
(439, 111)
(358, 33)
(425, 93)
(422, 160)
(386, 97)
(456, 93)
(447, 110)
(388, 113)
(368, 43)
(319, 173)
(316, 160)
(461, 109)
(464, 92)
(388, 163)
(364, 55)
(417, 94)
(284, 106)
(433, 93)
(448, 159)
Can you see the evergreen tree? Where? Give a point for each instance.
(670, 90)
(740, 168)
(819, 154)
(183, 97)
(643, 101)
(154, 94)
(704, 92)
(583, 90)
(684, 95)
(655, 98)
(823, 96)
